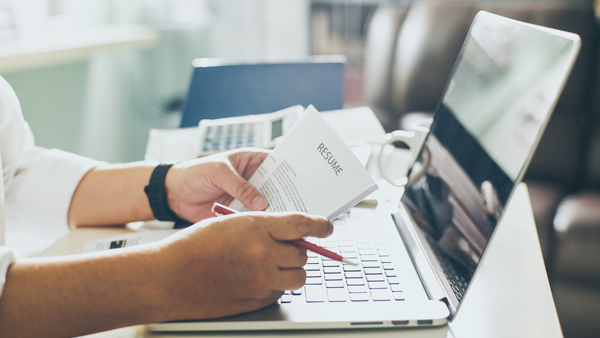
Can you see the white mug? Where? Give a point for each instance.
(414, 140)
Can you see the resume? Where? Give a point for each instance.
(311, 170)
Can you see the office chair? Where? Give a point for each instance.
(225, 89)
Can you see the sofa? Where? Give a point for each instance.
(409, 54)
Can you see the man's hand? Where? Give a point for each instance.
(233, 264)
(218, 267)
(193, 186)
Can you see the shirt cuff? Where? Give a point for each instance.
(45, 183)
(6, 259)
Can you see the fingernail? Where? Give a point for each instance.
(259, 203)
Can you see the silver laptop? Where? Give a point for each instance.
(416, 265)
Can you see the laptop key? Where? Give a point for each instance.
(353, 274)
(352, 268)
(337, 295)
(355, 281)
(390, 273)
(297, 292)
(313, 281)
(388, 266)
(312, 267)
(398, 295)
(396, 288)
(314, 293)
(367, 251)
(328, 263)
(393, 280)
(383, 253)
(312, 260)
(286, 299)
(334, 284)
(313, 273)
(374, 264)
(373, 271)
(385, 259)
(375, 278)
(378, 285)
(333, 276)
(358, 289)
(381, 294)
(369, 258)
(332, 269)
(359, 297)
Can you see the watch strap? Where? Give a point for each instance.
(158, 199)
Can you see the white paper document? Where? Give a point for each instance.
(127, 240)
(173, 144)
(311, 170)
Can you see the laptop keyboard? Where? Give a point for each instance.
(356, 237)
(455, 274)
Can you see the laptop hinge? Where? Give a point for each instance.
(429, 278)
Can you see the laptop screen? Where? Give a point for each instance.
(490, 118)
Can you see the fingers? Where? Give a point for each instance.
(290, 256)
(269, 300)
(246, 162)
(295, 226)
(290, 279)
(239, 188)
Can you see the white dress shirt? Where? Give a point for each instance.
(36, 181)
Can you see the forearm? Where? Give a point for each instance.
(71, 296)
(112, 195)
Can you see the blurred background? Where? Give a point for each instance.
(93, 76)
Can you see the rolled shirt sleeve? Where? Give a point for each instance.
(37, 184)
(45, 182)
(6, 259)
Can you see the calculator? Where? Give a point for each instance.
(262, 130)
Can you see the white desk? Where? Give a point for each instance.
(510, 295)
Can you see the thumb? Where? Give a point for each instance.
(236, 186)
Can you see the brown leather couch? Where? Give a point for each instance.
(409, 54)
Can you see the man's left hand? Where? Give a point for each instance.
(194, 186)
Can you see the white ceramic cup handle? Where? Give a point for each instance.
(407, 137)
(398, 135)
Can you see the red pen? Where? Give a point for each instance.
(220, 209)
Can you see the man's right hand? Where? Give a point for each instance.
(233, 264)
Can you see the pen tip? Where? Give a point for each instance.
(347, 261)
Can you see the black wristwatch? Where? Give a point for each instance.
(158, 199)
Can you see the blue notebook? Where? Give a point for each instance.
(228, 90)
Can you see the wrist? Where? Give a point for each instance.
(174, 284)
(171, 189)
(158, 197)
(165, 304)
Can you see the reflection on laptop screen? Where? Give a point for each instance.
(487, 124)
